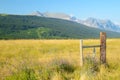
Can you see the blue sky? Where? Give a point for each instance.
(102, 9)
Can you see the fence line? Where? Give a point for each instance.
(102, 47)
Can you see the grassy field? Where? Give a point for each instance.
(56, 60)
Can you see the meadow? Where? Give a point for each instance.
(57, 60)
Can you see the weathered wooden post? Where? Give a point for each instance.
(102, 47)
(81, 53)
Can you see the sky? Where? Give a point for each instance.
(82, 9)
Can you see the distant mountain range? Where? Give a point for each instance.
(101, 24)
(91, 22)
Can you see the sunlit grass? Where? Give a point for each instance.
(18, 58)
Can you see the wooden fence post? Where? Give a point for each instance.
(81, 53)
(102, 47)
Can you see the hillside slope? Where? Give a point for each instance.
(34, 27)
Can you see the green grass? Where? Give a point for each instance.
(56, 60)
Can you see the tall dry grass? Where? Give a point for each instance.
(56, 60)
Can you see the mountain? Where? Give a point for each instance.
(51, 15)
(101, 24)
(55, 15)
(37, 27)
(91, 22)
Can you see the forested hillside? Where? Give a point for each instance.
(33, 27)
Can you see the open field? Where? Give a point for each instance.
(56, 60)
